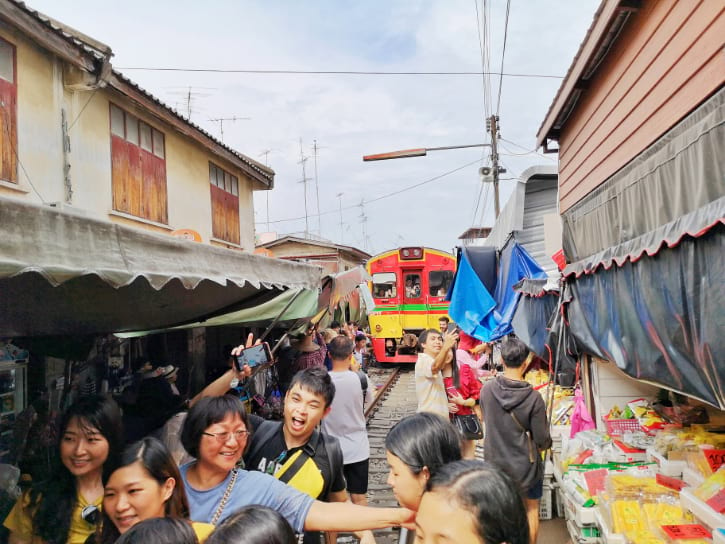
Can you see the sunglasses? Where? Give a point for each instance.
(90, 514)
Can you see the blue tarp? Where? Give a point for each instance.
(472, 306)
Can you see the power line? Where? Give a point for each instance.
(335, 72)
(434, 178)
(503, 54)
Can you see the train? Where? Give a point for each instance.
(409, 286)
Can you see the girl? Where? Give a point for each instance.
(254, 525)
(65, 508)
(144, 484)
(471, 501)
(463, 390)
(159, 531)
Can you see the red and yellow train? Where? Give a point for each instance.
(409, 286)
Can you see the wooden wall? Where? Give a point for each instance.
(668, 59)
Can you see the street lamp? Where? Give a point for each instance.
(419, 152)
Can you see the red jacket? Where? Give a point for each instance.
(470, 388)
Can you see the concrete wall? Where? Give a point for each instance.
(41, 97)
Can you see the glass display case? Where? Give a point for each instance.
(13, 386)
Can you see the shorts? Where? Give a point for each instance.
(536, 491)
(356, 475)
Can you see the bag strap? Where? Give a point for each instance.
(294, 468)
(529, 439)
(225, 498)
(262, 434)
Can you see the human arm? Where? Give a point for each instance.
(345, 516)
(222, 384)
(540, 426)
(365, 537)
(449, 340)
(15, 538)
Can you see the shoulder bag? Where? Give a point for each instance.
(469, 426)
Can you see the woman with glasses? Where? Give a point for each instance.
(416, 448)
(65, 508)
(145, 484)
(472, 501)
(215, 434)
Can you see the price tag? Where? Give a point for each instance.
(669, 481)
(717, 501)
(595, 480)
(684, 532)
(715, 458)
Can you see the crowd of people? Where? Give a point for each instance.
(242, 478)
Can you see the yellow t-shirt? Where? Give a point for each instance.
(202, 530)
(20, 522)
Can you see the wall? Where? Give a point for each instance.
(667, 60)
(42, 96)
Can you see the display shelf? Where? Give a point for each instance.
(667, 467)
(691, 477)
(700, 510)
(581, 515)
(583, 535)
(607, 536)
(718, 536)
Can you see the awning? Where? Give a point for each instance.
(67, 273)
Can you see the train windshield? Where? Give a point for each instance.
(384, 285)
(439, 282)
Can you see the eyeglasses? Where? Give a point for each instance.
(90, 514)
(224, 437)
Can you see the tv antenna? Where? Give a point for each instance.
(221, 120)
(189, 98)
(303, 181)
(266, 153)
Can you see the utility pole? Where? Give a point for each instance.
(305, 179)
(339, 197)
(492, 126)
(317, 189)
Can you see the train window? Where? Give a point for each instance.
(384, 285)
(439, 282)
(412, 286)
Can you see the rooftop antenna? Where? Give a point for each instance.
(189, 97)
(266, 153)
(303, 181)
(342, 236)
(317, 188)
(221, 120)
(364, 223)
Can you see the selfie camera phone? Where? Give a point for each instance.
(254, 356)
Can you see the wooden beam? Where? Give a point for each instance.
(45, 36)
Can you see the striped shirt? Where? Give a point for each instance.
(429, 387)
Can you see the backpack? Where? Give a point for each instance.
(364, 384)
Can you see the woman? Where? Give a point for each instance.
(216, 434)
(144, 484)
(463, 390)
(472, 501)
(159, 531)
(416, 448)
(254, 525)
(65, 508)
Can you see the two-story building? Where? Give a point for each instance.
(333, 258)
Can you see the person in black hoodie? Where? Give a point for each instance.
(517, 430)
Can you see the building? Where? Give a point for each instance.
(333, 258)
(639, 124)
(78, 134)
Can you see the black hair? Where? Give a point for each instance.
(254, 525)
(206, 412)
(424, 440)
(444, 318)
(156, 459)
(455, 371)
(514, 352)
(160, 531)
(52, 501)
(423, 338)
(317, 381)
(340, 348)
(335, 325)
(489, 494)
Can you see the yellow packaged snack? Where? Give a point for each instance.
(627, 517)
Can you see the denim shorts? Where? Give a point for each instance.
(536, 491)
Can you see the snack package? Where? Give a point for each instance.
(712, 485)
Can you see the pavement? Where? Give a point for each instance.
(553, 531)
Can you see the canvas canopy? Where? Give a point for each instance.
(67, 273)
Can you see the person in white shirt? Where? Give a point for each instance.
(346, 420)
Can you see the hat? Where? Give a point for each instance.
(169, 371)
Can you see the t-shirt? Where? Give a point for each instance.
(315, 477)
(429, 387)
(20, 521)
(346, 420)
(250, 488)
(273, 455)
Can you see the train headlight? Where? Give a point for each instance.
(378, 327)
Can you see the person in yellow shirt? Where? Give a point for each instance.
(145, 484)
(65, 508)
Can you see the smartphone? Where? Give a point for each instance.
(254, 356)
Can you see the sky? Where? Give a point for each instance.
(427, 200)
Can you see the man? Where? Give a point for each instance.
(293, 450)
(429, 388)
(443, 324)
(516, 427)
(346, 420)
(359, 349)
